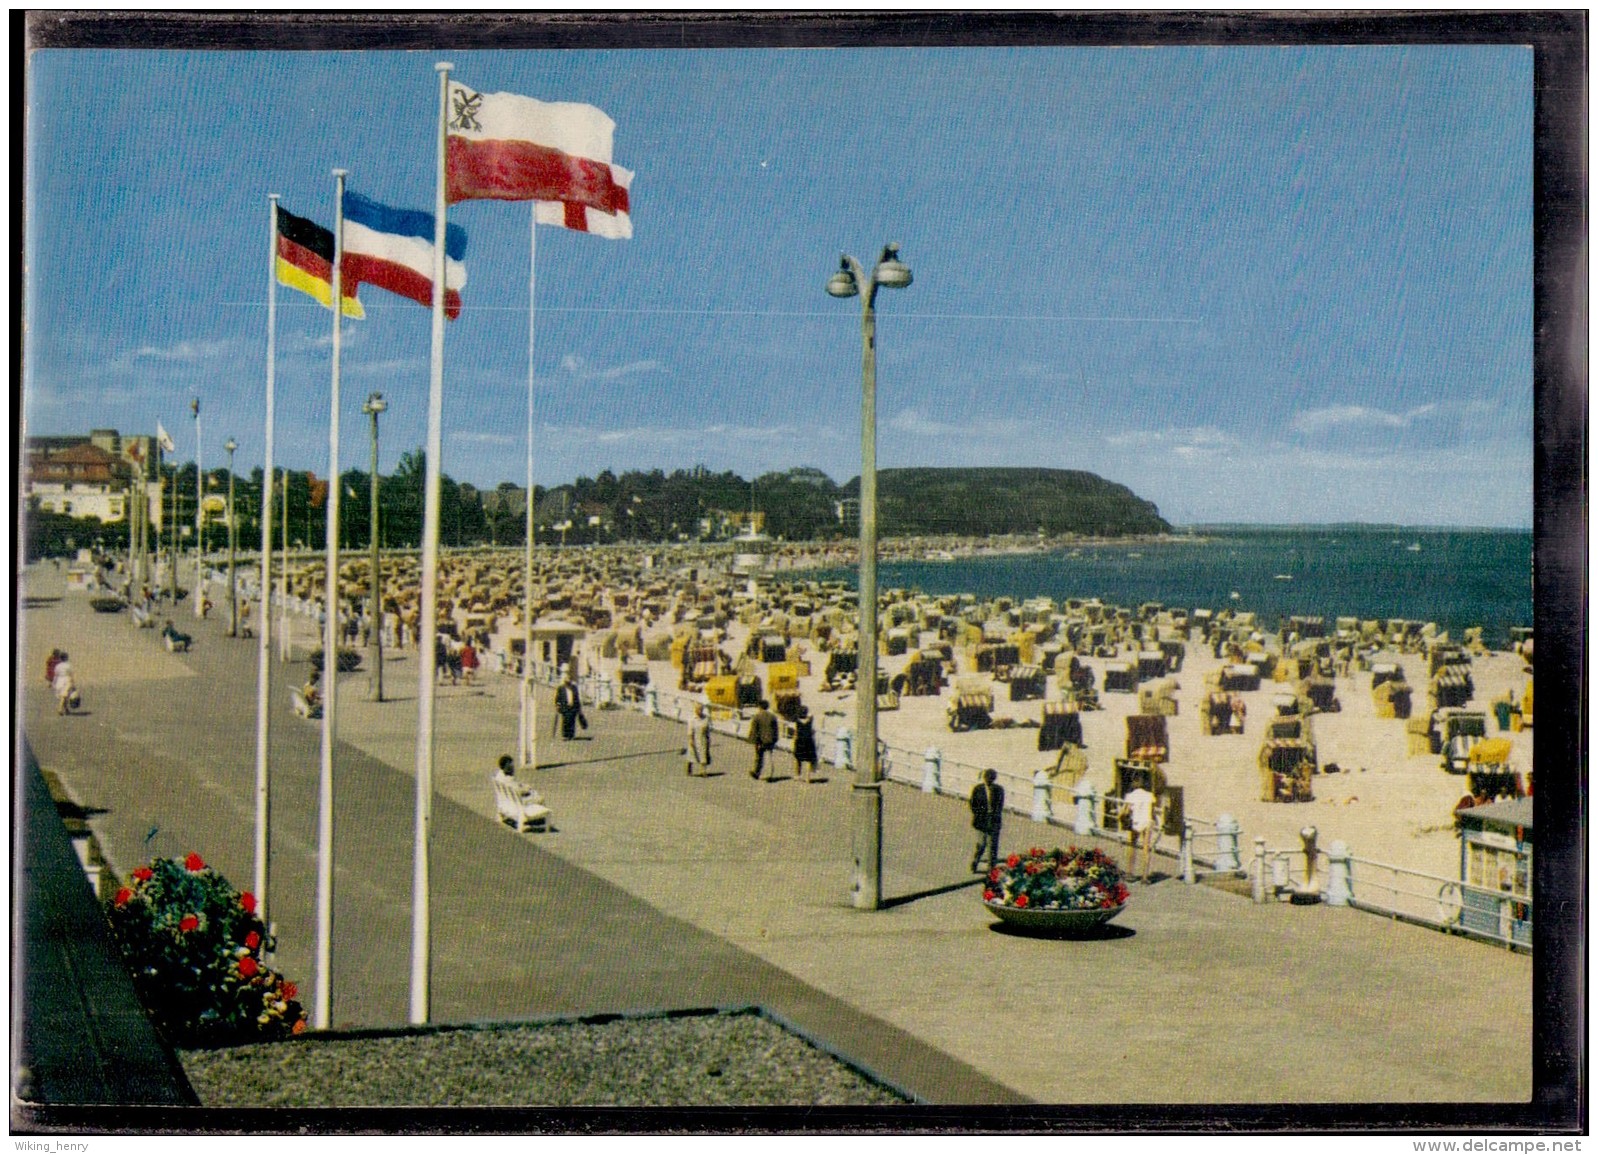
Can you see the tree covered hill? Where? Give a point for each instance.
(978, 501)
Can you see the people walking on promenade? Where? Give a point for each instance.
(1141, 808)
(804, 744)
(987, 818)
(65, 685)
(697, 752)
(763, 734)
(468, 662)
(569, 707)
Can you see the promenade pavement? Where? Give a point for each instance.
(657, 890)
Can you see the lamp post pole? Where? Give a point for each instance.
(232, 547)
(199, 515)
(851, 280)
(375, 405)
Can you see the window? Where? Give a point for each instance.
(1495, 869)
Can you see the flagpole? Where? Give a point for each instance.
(529, 716)
(263, 667)
(324, 829)
(199, 503)
(283, 578)
(427, 640)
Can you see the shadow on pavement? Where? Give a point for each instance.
(900, 900)
(612, 758)
(1106, 931)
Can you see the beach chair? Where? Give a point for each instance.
(971, 711)
(1146, 738)
(304, 708)
(519, 807)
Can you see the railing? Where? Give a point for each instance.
(1205, 848)
(1444, 904)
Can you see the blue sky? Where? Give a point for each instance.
(1252, 284)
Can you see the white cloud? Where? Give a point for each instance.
(396, 367)
(577, 367)
(186, 351)
(485, 438)
(1192, 441)
(915, 423)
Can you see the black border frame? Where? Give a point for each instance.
(1560, 310)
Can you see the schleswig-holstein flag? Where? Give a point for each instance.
(393, 249)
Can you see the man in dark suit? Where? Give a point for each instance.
(763, 733)
(569, 707)
(987, 816)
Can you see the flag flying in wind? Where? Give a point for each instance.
(393, 249)
(501, 146)
(305, 262)
(164, 439)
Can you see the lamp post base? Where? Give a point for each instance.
(866, 887)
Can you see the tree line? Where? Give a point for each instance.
(800, 504)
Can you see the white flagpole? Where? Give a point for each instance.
(529, 716)
(199, 502)
(263, 668)
(330, 632)
(427, 638)
(283, 579)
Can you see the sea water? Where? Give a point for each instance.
(1456, 578)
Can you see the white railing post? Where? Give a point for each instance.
(652, 696)
(1226, 849)
(1086, 799)
(931, 770)
(1340, 884)
(1279, 871)
(1042, 805)
(1185, 855)
(1259, 868)
(842, 753)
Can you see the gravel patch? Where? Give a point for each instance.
(739, 1059)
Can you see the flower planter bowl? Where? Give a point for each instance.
(1059, 921)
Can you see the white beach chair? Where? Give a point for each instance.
(523, 810)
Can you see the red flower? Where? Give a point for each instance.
(299, 1025)
(1020, 900)
(248, 966)
(252, 940)
(989, 895)
(143, 873)
(993, 875)
(194, 863)
(123, 895)
(189, 922)
(1013, 860)
(1036, 852)
(247, 901)
(290, 990)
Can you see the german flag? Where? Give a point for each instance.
(305, 262)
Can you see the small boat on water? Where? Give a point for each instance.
(1284, 577)
(1415, 548)
(1236, 597)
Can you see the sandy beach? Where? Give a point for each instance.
(1386, 803)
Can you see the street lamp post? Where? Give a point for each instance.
(232, 547)
(866, 887)
(375, 405)
(199, 517)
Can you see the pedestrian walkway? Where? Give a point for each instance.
(660, 890)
